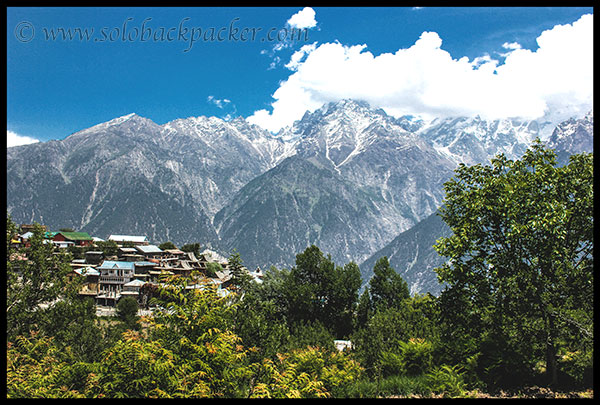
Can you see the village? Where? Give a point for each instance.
(136, 267)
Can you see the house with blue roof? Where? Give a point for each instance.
(113, 276)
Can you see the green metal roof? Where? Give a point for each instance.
(76, 235)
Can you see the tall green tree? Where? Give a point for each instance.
(167, 245)
(36, 278)
(240, 278)
(319, 291)
(520, 260)
(387, 287)
(127, 312)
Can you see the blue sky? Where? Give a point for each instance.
(57, 86)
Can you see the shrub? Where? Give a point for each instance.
(446, 380)
(416, 356)
(405, 386)
(391, 364)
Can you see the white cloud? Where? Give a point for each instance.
(304, 18)
(511, 45)
(297, 56)
(14, 139)
(301, 21)
(218, 102)
(425, 80)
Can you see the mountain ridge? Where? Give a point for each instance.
(347, 177)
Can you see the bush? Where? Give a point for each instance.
(405, 386)
(447, 381)
(578, 365)
(391, 364)
(127, 309)
(416, 356)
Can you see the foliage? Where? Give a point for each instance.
(240, 278)
(32, 285)
(196, 325)
(259, 324)
(127, 309)
(212, 268)
(34, 369)
(404, 386)
(447, 380)
(72, 324)
(306, 373)
(387, 287)
(378, 345)
(108, 248)
(416, 356)
(520, 270)
(317, 290)
(192, 248)
(168, 245)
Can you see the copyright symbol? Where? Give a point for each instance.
(24, 31)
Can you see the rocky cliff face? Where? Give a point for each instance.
(358, 178)
(130, 175)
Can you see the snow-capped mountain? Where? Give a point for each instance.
(358, 178)
(347, 177)
(411, 253)
(573, 136)
(475, 140)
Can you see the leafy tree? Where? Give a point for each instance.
(108, 248)
(364, 311)
(343, 299)
(387, 287)
(167, 246)
(192, 248)
(240, 278)
(212, 268)
(197, 325)
(72, 324)
(317, 290)
(33, 284)
(520, 270)
(379, 344)
(34, 369)
(138, 368)
(261, 327)
(127, 309)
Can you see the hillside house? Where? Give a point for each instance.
(143, 270)
(129, 254)
(90, 286)
(150, 251)
(129, 239)
(132, 288)
(77, 238)
(113, 275)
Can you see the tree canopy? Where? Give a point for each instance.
(520, 260)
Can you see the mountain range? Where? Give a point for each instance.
(349, 178)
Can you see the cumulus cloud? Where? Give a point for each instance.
(425, 80)
(304, 18)
(301, 21)
(14, 139)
